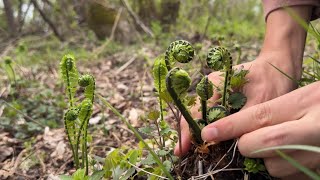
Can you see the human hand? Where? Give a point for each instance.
(290, 119)
(265, 83)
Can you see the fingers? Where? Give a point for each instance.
(292, 132)
(185, 139)
(284, 108)
(279, 167)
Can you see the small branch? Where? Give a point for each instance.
(47, 20)
(125, 65)
(184, 111)
(136, 19)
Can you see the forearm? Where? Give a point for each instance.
(285, 37)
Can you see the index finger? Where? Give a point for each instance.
(285, 108)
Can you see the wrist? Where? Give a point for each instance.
(285, 40)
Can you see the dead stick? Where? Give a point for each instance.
(47, 20)
(137, 19)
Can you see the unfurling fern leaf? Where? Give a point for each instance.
(178, 82)
(219, 58)
(88, 82)
(159, 72)
(70, 75)
(205, 92)
(77, 117)
(180, 51)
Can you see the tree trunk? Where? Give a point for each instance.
(169, 13)
(12, 26)
(147, 11)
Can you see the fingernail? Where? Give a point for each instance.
(209, 134)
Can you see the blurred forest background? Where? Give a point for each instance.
(116, 41)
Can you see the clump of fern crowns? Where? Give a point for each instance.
(76, 118)
(176, 81)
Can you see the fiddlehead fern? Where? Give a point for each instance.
(88, 82)
(10, 71)
(204, 90)
(70, 75)
(180, 51)
(159, 72)
(77, 117)
(219, 58)
(216, 112)
(71, 115)
(178, 82)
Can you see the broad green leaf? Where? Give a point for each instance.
(238, 79)
(162, 152)
(153, 115)
(65, 177)
(148, 161)
(80, 174)
(128, 174)
(97, 175)
(150, 130)
(237, 100)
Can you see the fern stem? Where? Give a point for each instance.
(79, 134)
(193, 125)
(85, 148)
(225, 88)
(72, 148)
(204, 102)
(69, 89)
(136, 133)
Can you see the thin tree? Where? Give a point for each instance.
(12, 26)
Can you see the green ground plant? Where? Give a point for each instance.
(76, 118)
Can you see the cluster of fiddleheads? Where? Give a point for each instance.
(76, 118)
(178, 82)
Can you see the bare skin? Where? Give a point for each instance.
(271, 116)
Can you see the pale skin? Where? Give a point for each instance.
(273, 115)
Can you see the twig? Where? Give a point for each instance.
(17, 161)
(47, 20)
(224, 168)
(41, 163)
(123, 67)
(140, 169)
(200, 167)
(233, 145)
(137, 19)
(68, 160)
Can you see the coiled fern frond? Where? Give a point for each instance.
(219, 58)
(88, 82)
(77, 117)
(178, 82)
(178, 51)
(70, 76)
